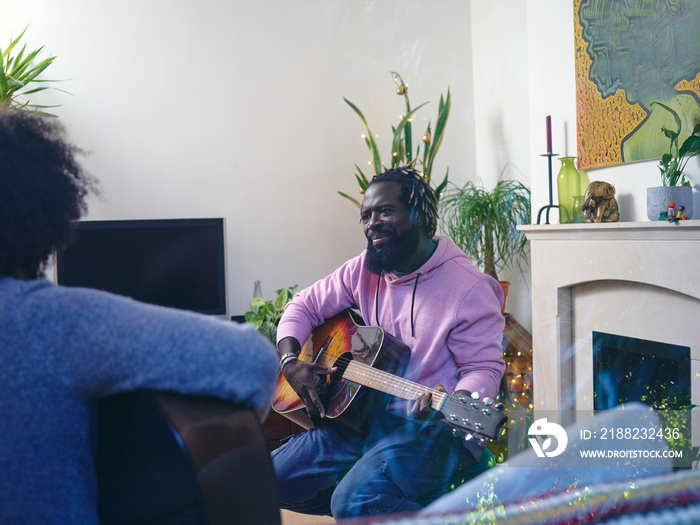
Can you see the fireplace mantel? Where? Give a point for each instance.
(639, 279)
(648, 230)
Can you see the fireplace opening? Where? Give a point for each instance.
(628, 369)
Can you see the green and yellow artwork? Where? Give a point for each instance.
(630, 54)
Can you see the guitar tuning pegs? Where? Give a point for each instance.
(468, 437)
(499, 407)
(455, 432)
(488, 401)
(475, 395)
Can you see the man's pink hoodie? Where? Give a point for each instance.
(448, 312)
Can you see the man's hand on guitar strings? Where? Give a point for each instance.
(421, 408)
(301, 377)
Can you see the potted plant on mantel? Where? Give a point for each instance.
(18, 73)
(675, 187)
(484, 225)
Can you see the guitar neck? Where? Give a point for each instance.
(390, 384)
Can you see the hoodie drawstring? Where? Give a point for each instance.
(413, 302)
(376, 299)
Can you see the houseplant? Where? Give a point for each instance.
(483, 224)
(675, 187)
(19, 77)
(265, 315)
(402, 141)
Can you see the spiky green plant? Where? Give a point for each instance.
(19, 77)
(402, 142)
(673, 163)
(484, 223)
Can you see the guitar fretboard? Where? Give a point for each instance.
(390, 384)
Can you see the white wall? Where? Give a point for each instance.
(501, 94)
(235, 109)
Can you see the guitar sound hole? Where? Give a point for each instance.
(341, 364)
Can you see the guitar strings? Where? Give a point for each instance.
(377, 379)
(396, 384)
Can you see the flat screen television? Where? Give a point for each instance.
(179, 263)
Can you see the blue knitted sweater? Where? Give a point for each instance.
(62, 349)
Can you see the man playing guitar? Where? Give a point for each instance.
(423, 290)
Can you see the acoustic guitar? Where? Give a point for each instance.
(367, 356)
(168, 458)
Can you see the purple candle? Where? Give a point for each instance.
(548, 122)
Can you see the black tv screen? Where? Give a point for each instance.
(177, 263)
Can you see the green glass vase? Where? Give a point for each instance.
(578, 209)
(568, 187)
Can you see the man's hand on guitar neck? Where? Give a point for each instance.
(301, 376)
(421, 408)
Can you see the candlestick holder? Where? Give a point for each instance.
(551, 202)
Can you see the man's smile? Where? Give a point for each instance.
(380, 238)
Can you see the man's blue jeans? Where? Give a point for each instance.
(392, 469)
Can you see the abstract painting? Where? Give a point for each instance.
(633, 57)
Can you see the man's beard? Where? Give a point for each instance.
(392, 253)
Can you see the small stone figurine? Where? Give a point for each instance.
(599, 203)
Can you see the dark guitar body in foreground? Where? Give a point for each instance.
(176, 459)
(370, 363)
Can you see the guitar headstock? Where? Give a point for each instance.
(469, 414)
